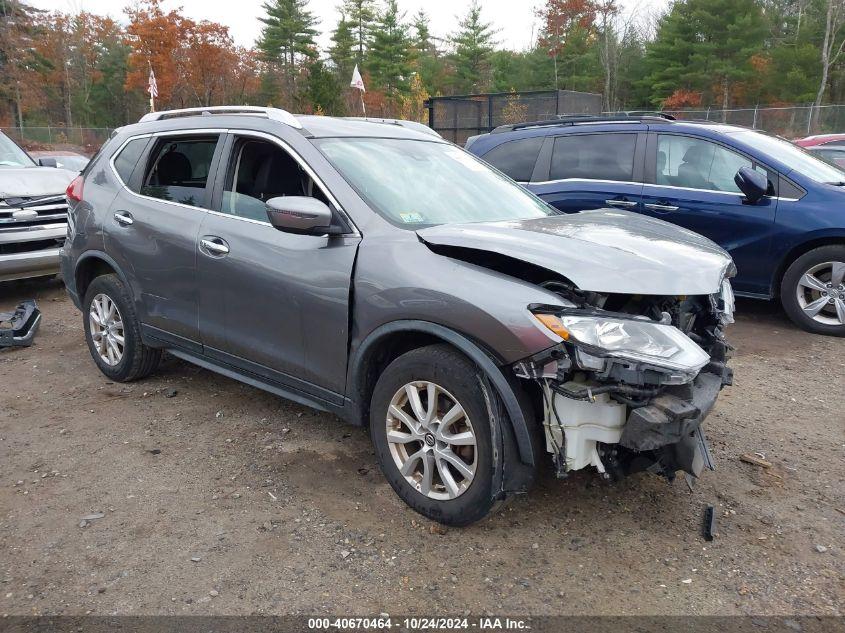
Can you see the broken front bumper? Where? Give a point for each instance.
(619, 436)
(672, 421)
(18, 328)
(671, 416)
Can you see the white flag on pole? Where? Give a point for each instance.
(357, 82)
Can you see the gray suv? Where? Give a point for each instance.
(372, 270)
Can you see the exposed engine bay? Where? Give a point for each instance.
(631, 380)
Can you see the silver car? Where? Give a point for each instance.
(377, 272)
(33, 214)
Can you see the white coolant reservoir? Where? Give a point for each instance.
(584, 423)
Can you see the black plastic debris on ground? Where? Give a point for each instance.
(18, 328)
(709, 523)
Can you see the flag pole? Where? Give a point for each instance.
(363, 107)
(152, 95)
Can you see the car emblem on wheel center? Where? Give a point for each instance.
(429, 439)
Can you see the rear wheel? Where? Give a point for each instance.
(813, 291)
(430, 426)
(113, 333)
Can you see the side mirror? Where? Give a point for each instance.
(48, 162)
(752, 183)
(299, 214)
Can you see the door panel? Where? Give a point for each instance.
(594, 171)
(154, 239)
(572, 196)
(277, 299)
(693, 187)
(278, 303)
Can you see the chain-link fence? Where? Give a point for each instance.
(459, 117)
(85, 139)
(787, 121)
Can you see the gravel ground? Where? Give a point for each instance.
(222, 499)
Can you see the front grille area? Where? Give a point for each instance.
(27, 212)
(29, 247)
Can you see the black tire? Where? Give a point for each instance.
(444, 366)
(790, 283)
(138, 360)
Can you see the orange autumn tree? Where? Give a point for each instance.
(209, 60)
(156, 39)
(195, 63)
(560, 18)
(682, 98)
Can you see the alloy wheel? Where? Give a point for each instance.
(106, 329)
(821, 293)
(431, 440)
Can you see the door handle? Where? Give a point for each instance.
(123, 217)
(214, 246)
(625, 204)
(661, 207)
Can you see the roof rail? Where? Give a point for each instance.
(275, 114)
(411, 125)
(574, 119)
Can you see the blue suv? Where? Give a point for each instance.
(779, 211)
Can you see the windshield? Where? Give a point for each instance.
(797, 158)
(418, 183)
(11, 155)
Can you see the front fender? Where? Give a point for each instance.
(504, 389)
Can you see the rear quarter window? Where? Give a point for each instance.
(594, 157)
(516, 158)
(127, 159)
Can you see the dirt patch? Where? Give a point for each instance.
(219, 498)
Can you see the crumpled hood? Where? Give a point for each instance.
(16, 182)
(605, 251)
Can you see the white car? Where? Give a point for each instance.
(33, 214)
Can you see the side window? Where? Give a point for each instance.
(594, 157)
(259, 170)
(683, 161)
(516, 158)
(125, 161)
(178, 169)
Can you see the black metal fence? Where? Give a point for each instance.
(459, 117)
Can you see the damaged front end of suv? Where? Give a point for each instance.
(640, 354)
(631, 380)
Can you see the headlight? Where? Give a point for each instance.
(628, 339)
(728, 301)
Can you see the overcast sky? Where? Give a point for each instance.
(514, 19)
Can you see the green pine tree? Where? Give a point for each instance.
(288, 33)
(428, 62)
(422, 32)
(343, 49)
(389, 60)
(473, 48)
(361, 15)
(323, 90)
(705, 46)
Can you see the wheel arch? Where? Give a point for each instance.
(91, 265)
(835, 239)
(391, 340)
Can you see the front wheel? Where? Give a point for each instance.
(430, 427)
(813, 291)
